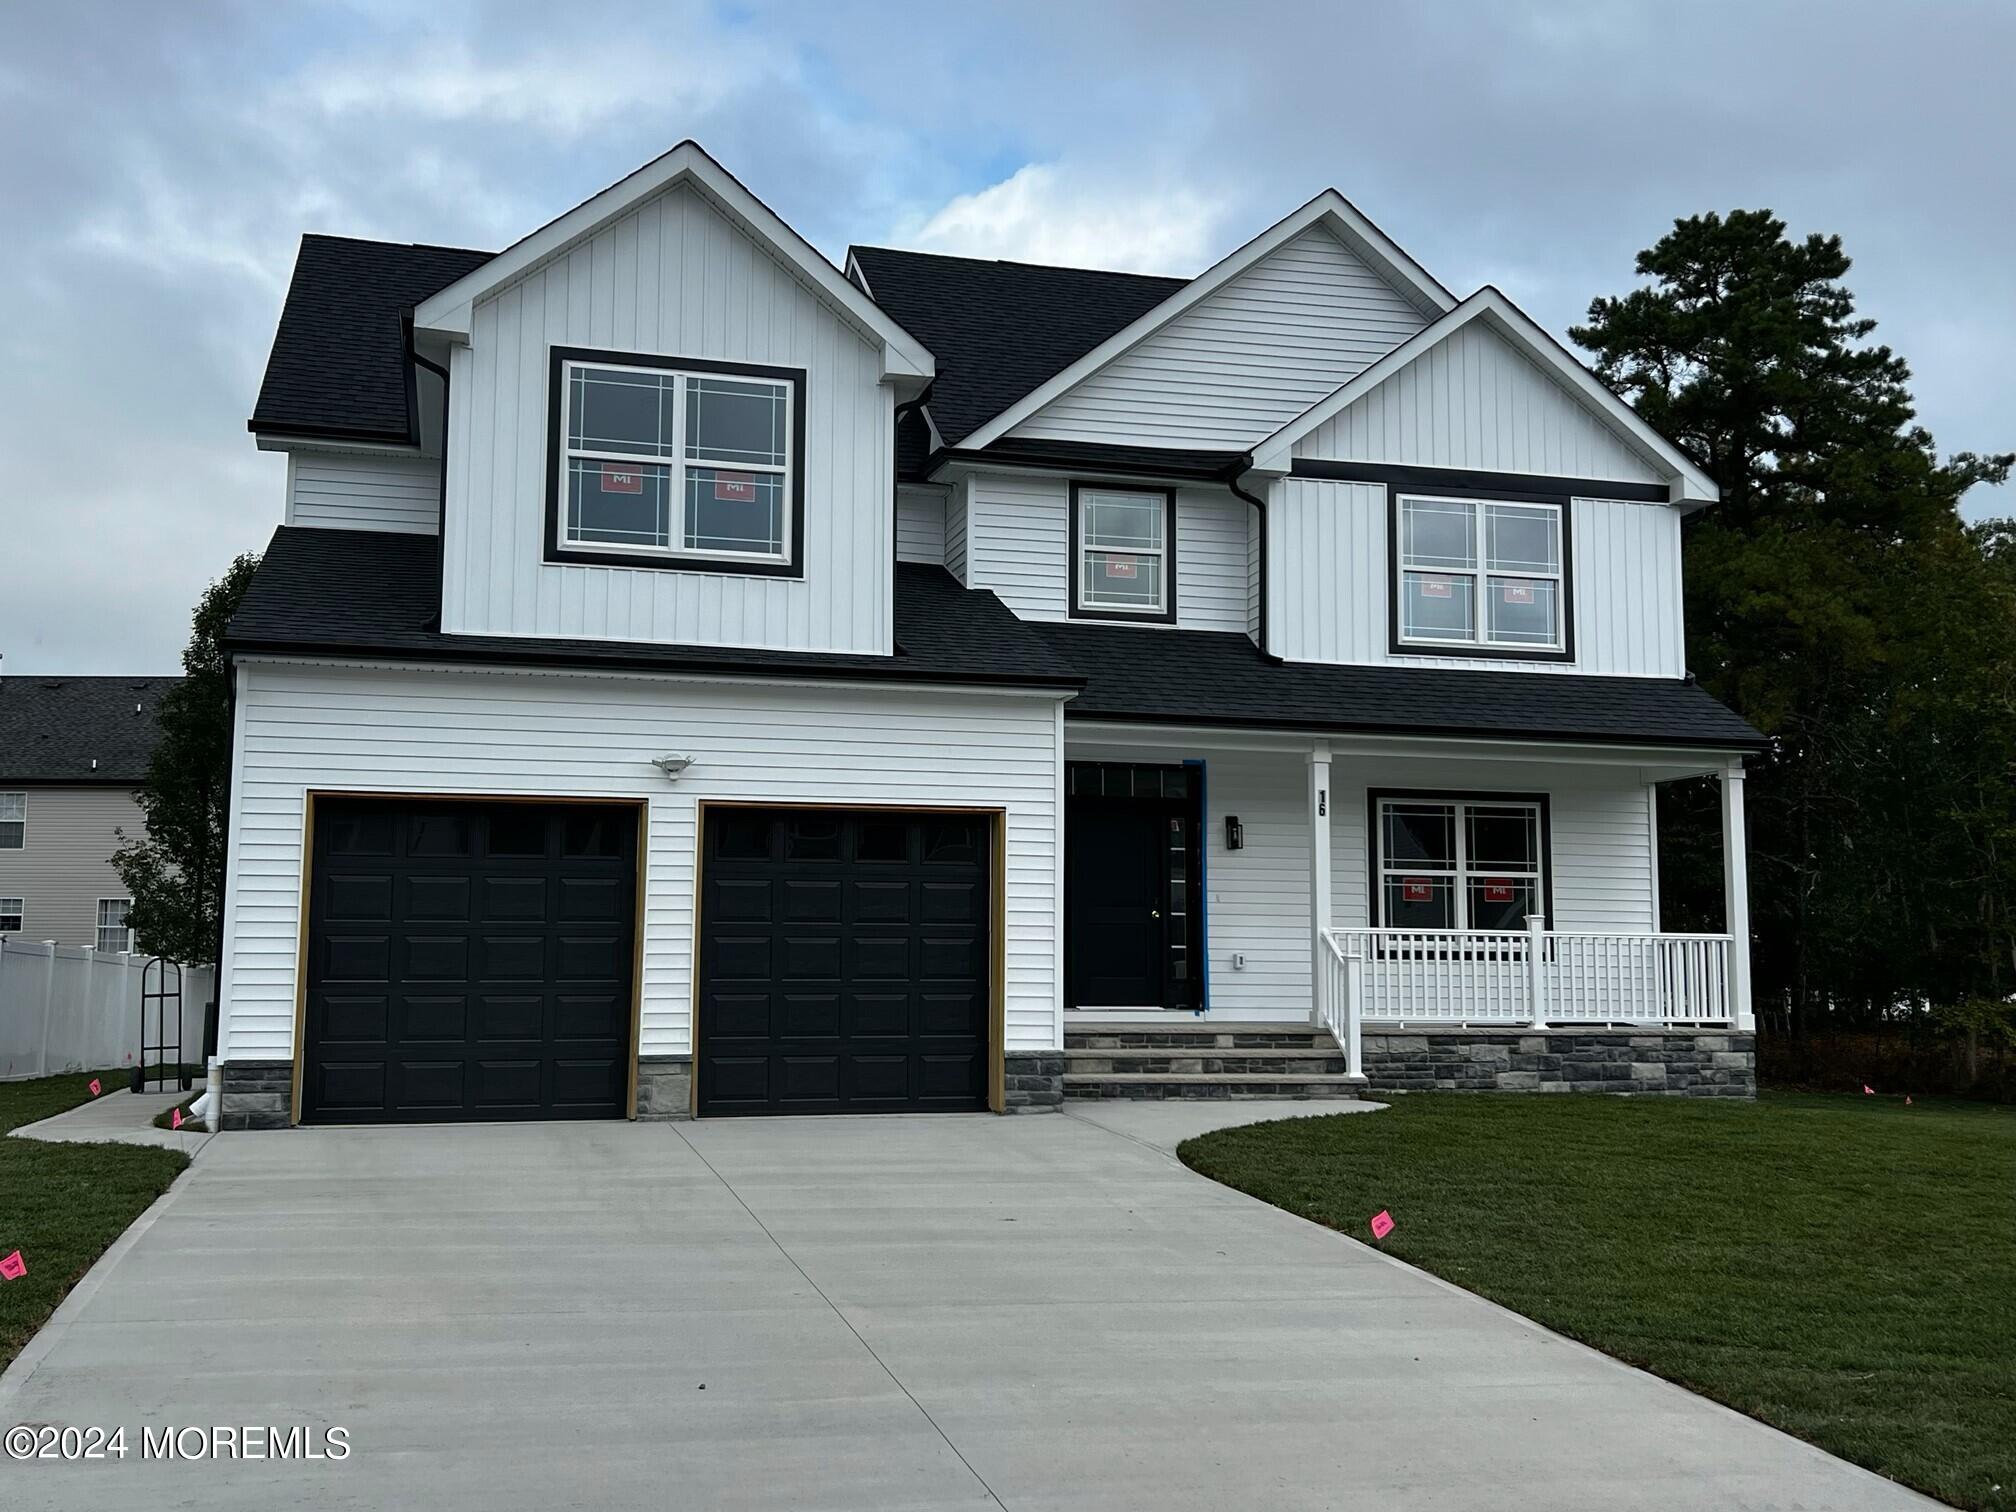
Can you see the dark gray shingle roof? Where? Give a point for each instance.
(338, 365)
(53, 728)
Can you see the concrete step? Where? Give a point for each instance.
(1080, 1086)
(1207, 1059)
(1196, 1036)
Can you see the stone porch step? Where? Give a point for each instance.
(1196, 1036)
(1207, 1059)
(1079, 1086)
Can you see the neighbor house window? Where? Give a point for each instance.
(112, 931)
(12, 912)
(1123, 552)
(1459, 863)
(676, 462)
(13, 821)
(1481, 573)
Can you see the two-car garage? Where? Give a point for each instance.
(478, 960)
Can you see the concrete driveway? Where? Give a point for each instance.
(932, 1312)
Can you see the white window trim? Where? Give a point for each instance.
(19, 910)
(678, 463)
(1480, 576)
(22, 821)
(1163, 554)
(97, 940)
(1460, 876)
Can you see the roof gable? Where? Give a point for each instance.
(448, 312)
(1232, 367)
(1329, 210)
(1487, 345)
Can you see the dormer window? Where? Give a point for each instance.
(1123, 553)
(668, 461)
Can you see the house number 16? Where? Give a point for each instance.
(1322, 801)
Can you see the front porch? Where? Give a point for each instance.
(1465, 913)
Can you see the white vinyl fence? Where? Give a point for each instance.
(69, 1008)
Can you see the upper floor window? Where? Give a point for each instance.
(112, 931)
(1123, 553)
(1481, 575)
(13, 821)
(676, 459)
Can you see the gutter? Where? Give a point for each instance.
(895, 470)
(441, 520)
(1231, 481)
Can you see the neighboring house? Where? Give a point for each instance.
(692, 678)
(72, 750)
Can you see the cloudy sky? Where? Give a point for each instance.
(159, 162)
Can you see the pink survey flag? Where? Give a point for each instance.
(176, 1121)
(1907, 1099)
(14, 1267)
(94, 1086)
(1382, 1224)
(1867, 1090)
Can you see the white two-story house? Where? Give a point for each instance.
(694, 679)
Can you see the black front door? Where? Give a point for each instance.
(1132, 915)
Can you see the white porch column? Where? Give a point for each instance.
(1736, 896)
(1319, 878)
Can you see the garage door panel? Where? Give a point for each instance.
(887, 1010)
(504, 955)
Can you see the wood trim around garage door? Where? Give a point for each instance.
(302, 930)
(997, 924)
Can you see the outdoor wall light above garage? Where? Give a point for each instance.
(1235, 833)
(672, 766)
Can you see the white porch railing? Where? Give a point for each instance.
(1537, 977)
(1340, 996)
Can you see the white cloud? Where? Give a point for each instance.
(1047, 213)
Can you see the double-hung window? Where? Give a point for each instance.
(12, 912)
(692, 463)
(1123, 553)
(1481, 574)
(112, 931)
(1460, 863)
(13, 821)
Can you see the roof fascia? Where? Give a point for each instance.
(447, 313)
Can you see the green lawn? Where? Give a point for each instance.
(1842, 1267)
(62, 1205)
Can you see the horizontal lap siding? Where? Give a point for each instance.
(1246, 359)
(673, 278)
(337, 492)
(1018, 543)
(64, 865)
(920, 525)
(334, 730)
(1333, 574)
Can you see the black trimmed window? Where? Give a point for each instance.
(1457, 862)
(13, 912)
(13, 821)
(1481, 576)
(1123, 553)
(675, 462)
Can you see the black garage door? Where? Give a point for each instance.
(469, 961)
(844, 962)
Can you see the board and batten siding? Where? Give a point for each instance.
(920, 525)
(64, 865)
(1246, 359)
(359, 491)
(1473, 400)
(1258, 895)
(1017, 542)
(671, 278)
(478, 733)
(1332, 579)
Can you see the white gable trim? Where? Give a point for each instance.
(1689, 484)
(1329, 209)
(904, 357)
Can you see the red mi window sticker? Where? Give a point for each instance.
(1120, 567)
(1437, 588)
(621, 479)
(735, 488)
(1417, 890)
(1497, 892)
(1518, 593)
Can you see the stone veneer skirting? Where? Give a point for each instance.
(258, 1094)
(664, 1086)
(1667, 1062)
(1033, 1081)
